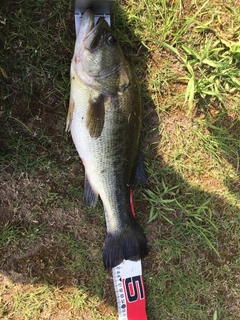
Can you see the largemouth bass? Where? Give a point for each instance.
(105, 120)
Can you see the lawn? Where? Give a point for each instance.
(186, 55)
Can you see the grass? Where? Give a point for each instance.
(212, 70)
(186, 57)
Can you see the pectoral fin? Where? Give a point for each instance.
(95, 116)
(69, 115)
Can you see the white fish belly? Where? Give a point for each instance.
(90, 150)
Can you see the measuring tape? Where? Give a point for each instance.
(129, 290)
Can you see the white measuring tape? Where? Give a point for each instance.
(129, 290)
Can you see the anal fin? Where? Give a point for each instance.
(90, 197)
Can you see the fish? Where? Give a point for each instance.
(105, 121)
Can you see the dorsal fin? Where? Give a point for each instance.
(140, 173)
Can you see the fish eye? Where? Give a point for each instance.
(111, 40)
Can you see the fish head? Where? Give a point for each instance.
(98, 59)
(102, 50)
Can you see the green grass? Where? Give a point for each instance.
(31, 304)
(213, 70)
(186, 56)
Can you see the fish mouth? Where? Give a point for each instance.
(88, 26)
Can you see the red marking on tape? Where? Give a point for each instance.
(135, 298)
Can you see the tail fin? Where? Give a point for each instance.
(129, 244)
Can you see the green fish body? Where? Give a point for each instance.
(105, 120)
